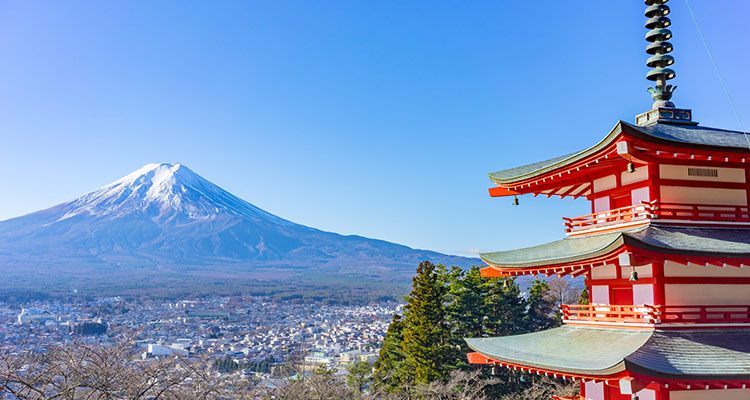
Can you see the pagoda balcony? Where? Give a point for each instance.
(648, 315)
(646, 212)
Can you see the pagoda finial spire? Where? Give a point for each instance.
(659, 50)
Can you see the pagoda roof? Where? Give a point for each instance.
(688, 241)
(576, 350)
(695, 136)
(691, 136)
(601, 352)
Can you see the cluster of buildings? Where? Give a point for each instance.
(245, 330)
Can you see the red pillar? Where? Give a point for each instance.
(662, 393)
(657, 269)
(653, 176)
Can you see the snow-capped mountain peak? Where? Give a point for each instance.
(163, 191)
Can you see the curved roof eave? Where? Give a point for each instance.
(575, 350)
(559, 252)
(663, 239)
(699, 355)
(532, 170)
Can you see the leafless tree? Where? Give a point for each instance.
(544, 388)
(90, 372)
(562, 291)
(461, 385)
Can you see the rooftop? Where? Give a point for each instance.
(690, 136)
(718, 243)
(695, 354)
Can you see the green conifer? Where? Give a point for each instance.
(426, 341)
(389, 366)
(506, 307)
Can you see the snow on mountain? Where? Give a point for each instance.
(169, 220)
(164, 190)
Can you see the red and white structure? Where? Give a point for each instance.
(665, 254)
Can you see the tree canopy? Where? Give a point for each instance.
(447, 305)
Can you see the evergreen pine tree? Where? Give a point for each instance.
(467, 310)
(584, 297)
(426, 341)
(389, 366)
(506, 307)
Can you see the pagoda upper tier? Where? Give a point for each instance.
(671, 171)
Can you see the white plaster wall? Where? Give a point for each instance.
(644, 271)
(681, 194)
(608, 182)
(608, 271)
(675, 269)
(707, 294)
(646, 394)
(594, 391)
(600, 294)
(667, 171)
(640, 174)
(643, 294)
(725, 394)
(640, 195)
(601, 204)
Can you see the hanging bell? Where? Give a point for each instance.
(633, 276)
(505, 283)
(515, 200)
(495, 370)
(631, 167)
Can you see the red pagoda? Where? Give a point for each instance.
(665, 254)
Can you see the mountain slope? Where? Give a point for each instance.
(166, 220)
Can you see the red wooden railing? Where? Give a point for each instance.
(702, 212)
(703, 314)
(616, 216)
(608, 313)
(660, 211)
(654, 315)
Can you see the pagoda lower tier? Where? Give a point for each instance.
(668, 318)
(615, 363)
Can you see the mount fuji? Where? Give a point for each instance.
(166, 221)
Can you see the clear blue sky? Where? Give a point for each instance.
(379, 118)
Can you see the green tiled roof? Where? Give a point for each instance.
(513, 174)
(531, 170)
(694, 135)
(711, 355)
(565, 250)
(699, 355)
(713, 242)
(590, 351)
(710, 242)
(678, 135)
